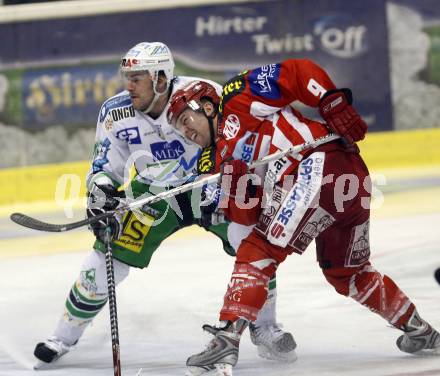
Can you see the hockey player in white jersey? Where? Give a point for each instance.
(132, 130)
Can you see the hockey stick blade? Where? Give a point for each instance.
(437, 275)
(35, 224)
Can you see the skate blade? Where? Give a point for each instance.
(288, 357)
(223, 369)
(41, 366)
(426, 353)
(196, 371)
(219, 370)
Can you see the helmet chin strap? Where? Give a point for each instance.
(211, 130)
(153, 102)
(156, 94)
(211, 126)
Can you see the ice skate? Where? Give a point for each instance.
(419, 338)
(221, 353)
(49, 351)
(273, 343)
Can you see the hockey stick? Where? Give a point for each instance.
(437, 275)
(112, 302)
(35, 224)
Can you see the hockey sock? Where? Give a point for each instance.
(378, 293)
(246, 294)
(267, 314)
(80, 309)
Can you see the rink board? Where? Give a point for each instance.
(407, 181)
(413, 152)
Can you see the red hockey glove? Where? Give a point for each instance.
(335, 108)
(240, 194)
(233, 170)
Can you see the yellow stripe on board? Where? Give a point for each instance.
(39, 183)
(399, 204)
(409, 203)
(73, 242)
(401, 149)
(47, 206)
(46, 244)
(383, 150)
(31, 190)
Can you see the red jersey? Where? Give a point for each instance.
(256, 119)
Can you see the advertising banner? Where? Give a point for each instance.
(349, 39)
(67, 95)
(55, 74)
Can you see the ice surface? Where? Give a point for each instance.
(161, 309)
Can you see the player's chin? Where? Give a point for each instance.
(204, 143)
(138, 104)
(134, 100)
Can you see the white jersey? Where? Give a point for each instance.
(127, 137)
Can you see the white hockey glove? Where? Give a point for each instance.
(104, 197)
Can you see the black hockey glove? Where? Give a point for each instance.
(100, 199)
(211, 215)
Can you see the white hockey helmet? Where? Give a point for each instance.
(149, 56)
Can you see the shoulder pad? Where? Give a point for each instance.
(263, 81)
(118, 101)
(230, 89)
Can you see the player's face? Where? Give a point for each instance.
(194, 126)
(140, 87)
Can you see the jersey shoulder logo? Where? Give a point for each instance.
(231, 127)
(263, 81)
(122, 113)
(231, 88)
(116, 103)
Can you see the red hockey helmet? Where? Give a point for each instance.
(191, 96)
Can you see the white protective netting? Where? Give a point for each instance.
(54, 144)
(415, 102)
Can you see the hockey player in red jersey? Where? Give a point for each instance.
(322, 194)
